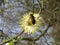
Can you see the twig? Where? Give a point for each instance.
(27, 39)
(17, 7)
(39, 7)
(11, 39)
(46, 40)
(33, 6)
(18, 34)
(37, 38)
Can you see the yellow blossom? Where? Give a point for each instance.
(28, 26)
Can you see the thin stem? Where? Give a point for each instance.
(11, 39)
(33, 6)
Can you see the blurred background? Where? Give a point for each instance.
(12, 10)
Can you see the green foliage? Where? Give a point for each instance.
(11, 37)
(6, 1)
(19, 38)
(11, 42)
(14, 40)
(0, 11)
(5, 39)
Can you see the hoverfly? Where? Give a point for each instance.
(31, 20)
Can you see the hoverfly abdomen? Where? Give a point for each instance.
(32, 19)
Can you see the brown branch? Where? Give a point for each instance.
(46, 40)
(27, 39)
(39, 6)
(17, 7)
(37, 38)
(11, 39)
(18, 34)
(5, 42)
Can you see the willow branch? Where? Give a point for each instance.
(11, 39)
(18, 34)
(40, 5)
(33, 6)
(46, 40)
(27, 39)
(37, 38)
(17, 7)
